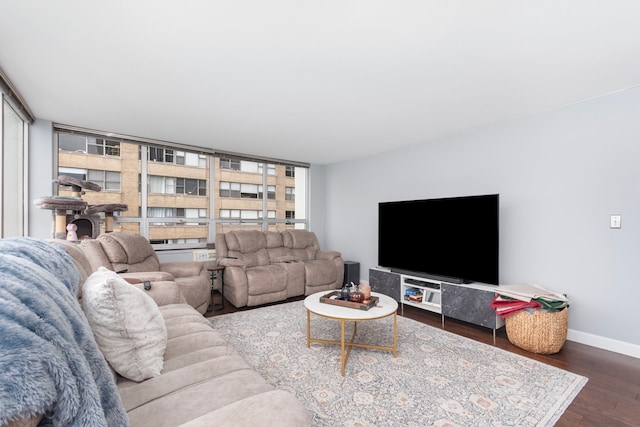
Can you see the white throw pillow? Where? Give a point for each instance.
(126, 323)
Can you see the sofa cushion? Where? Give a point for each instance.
(320, 273)
(246, 241)
(205, 382)
(129, 251)
(303, 244)
(126, 323)
(266, 279)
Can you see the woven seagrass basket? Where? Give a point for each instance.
(541, 332)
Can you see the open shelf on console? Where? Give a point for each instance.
(421, 293)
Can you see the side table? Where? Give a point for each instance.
(215, 272)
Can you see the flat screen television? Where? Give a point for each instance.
(449, 239)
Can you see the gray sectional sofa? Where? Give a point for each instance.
(264, 267)
(54, 365)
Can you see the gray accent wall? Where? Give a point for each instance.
(560, 175)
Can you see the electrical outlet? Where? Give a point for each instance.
(615, 221)
(204, 255)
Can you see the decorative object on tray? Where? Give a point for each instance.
(356, 296)
(536, 319)
(366, 290)
(335, 298)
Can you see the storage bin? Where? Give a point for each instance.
(538, 331)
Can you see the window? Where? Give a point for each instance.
(157, 212)
(246, 191)
(173, 185)
(103, 147)
(159, 154)
(168, 155)
(244, 214)
(88, 145)
(290, 193)
(271, 192)
(166, 189)
(271, 169)
(230, 164)
(229, 189)
(107, 180)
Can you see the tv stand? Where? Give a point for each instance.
(433, 277)
(467, 302)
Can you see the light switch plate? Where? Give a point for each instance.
(615, 221)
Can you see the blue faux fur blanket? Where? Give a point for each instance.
(49, 360)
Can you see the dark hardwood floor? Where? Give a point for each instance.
(611, 397)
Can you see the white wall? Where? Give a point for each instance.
(560, 175)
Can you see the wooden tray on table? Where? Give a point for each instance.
(330, 298)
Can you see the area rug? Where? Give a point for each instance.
(437, 379)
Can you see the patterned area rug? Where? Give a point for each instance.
(437, 379)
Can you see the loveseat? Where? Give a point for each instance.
(53, 354)
(264, 267)
(133, 255)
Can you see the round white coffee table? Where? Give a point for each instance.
(385, 307)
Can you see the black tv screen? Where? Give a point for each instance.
(449, 239)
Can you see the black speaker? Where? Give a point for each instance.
(351, 272)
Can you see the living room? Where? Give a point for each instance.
(563, 162)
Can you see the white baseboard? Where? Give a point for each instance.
(604, 343)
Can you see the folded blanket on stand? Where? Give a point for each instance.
(49, 361)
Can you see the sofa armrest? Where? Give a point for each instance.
(328, 255)
(163, 293)
(151, 276)
(183, 268)
(230, 262)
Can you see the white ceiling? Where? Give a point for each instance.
(313, 81)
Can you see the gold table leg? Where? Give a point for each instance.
(345, 353)
(308, 329)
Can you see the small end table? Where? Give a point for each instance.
(215, 272)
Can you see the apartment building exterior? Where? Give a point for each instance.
(176, 196)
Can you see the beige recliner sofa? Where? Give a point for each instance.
(203, 381)
(133, 254)
(264, 267)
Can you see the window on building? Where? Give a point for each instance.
(108, 180)
(175, 185)
(245, 214)
(246, 191)
(290, 193)
(271, 169)
(103, 147)
(230, 164)
(160, 154)
(89, 145)
(149, 177)
(229, 189)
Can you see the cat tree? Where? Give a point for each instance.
(75, 211)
